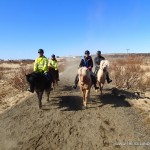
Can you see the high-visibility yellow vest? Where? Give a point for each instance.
(41, 64)
(53, 63)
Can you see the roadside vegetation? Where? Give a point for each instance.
(131, 72)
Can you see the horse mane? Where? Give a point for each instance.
(33, 76)
(84, 72)
(84, 75)
(101, 75)
(104, 63)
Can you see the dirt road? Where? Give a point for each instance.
(109, 123)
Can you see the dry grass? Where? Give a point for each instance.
(129, 73)
(19, 80)
(1, 72)
(61, 65)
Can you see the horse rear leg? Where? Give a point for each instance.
(47, 93)
(39, 94)
(101, 87)
(53, 85)
(84, 98)
(87, 96)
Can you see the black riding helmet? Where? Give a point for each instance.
(53, 56)
(87, 52)
(40, 51)
(99, 52)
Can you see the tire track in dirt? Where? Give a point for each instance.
(63, 125)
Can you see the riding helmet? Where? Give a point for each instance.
(53, 56)
(87, 52)
(99, 52)
(40, 51)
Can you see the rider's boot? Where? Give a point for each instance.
(94, 82)
(108, 79)
(30, 90)
(76, 82)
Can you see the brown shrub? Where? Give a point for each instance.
(19, 80)
(1, 72)
(61, 65)
(128, 73)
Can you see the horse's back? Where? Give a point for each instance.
(41, 82)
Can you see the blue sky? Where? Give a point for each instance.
(69, 27)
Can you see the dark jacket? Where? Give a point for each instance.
(97, 60)
(86, 62)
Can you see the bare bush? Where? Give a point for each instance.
(129, 73)
(1, 72)
(19, 80)
(61, 65)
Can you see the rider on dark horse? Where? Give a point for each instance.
(41, 66)
(97, 62)
(54, 64)
(86, 62)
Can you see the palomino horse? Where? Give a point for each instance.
(39, 83)
(53, 77)
(102, 72)
(85, 83)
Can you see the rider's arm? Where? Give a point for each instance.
(82, 63)
(55, 65)
(96, 61)
(49, 63)
(91, 63)
(45, 65)
(103, 58)
(35, 69)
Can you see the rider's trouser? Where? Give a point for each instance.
(96, 70)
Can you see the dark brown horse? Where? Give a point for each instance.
(54, 77)
(39, 83)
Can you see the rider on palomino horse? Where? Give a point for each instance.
(54, 64)
(86, 62)
(97, 62)
(41, 66)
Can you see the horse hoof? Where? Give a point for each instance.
(84, 107)
(84, 104)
